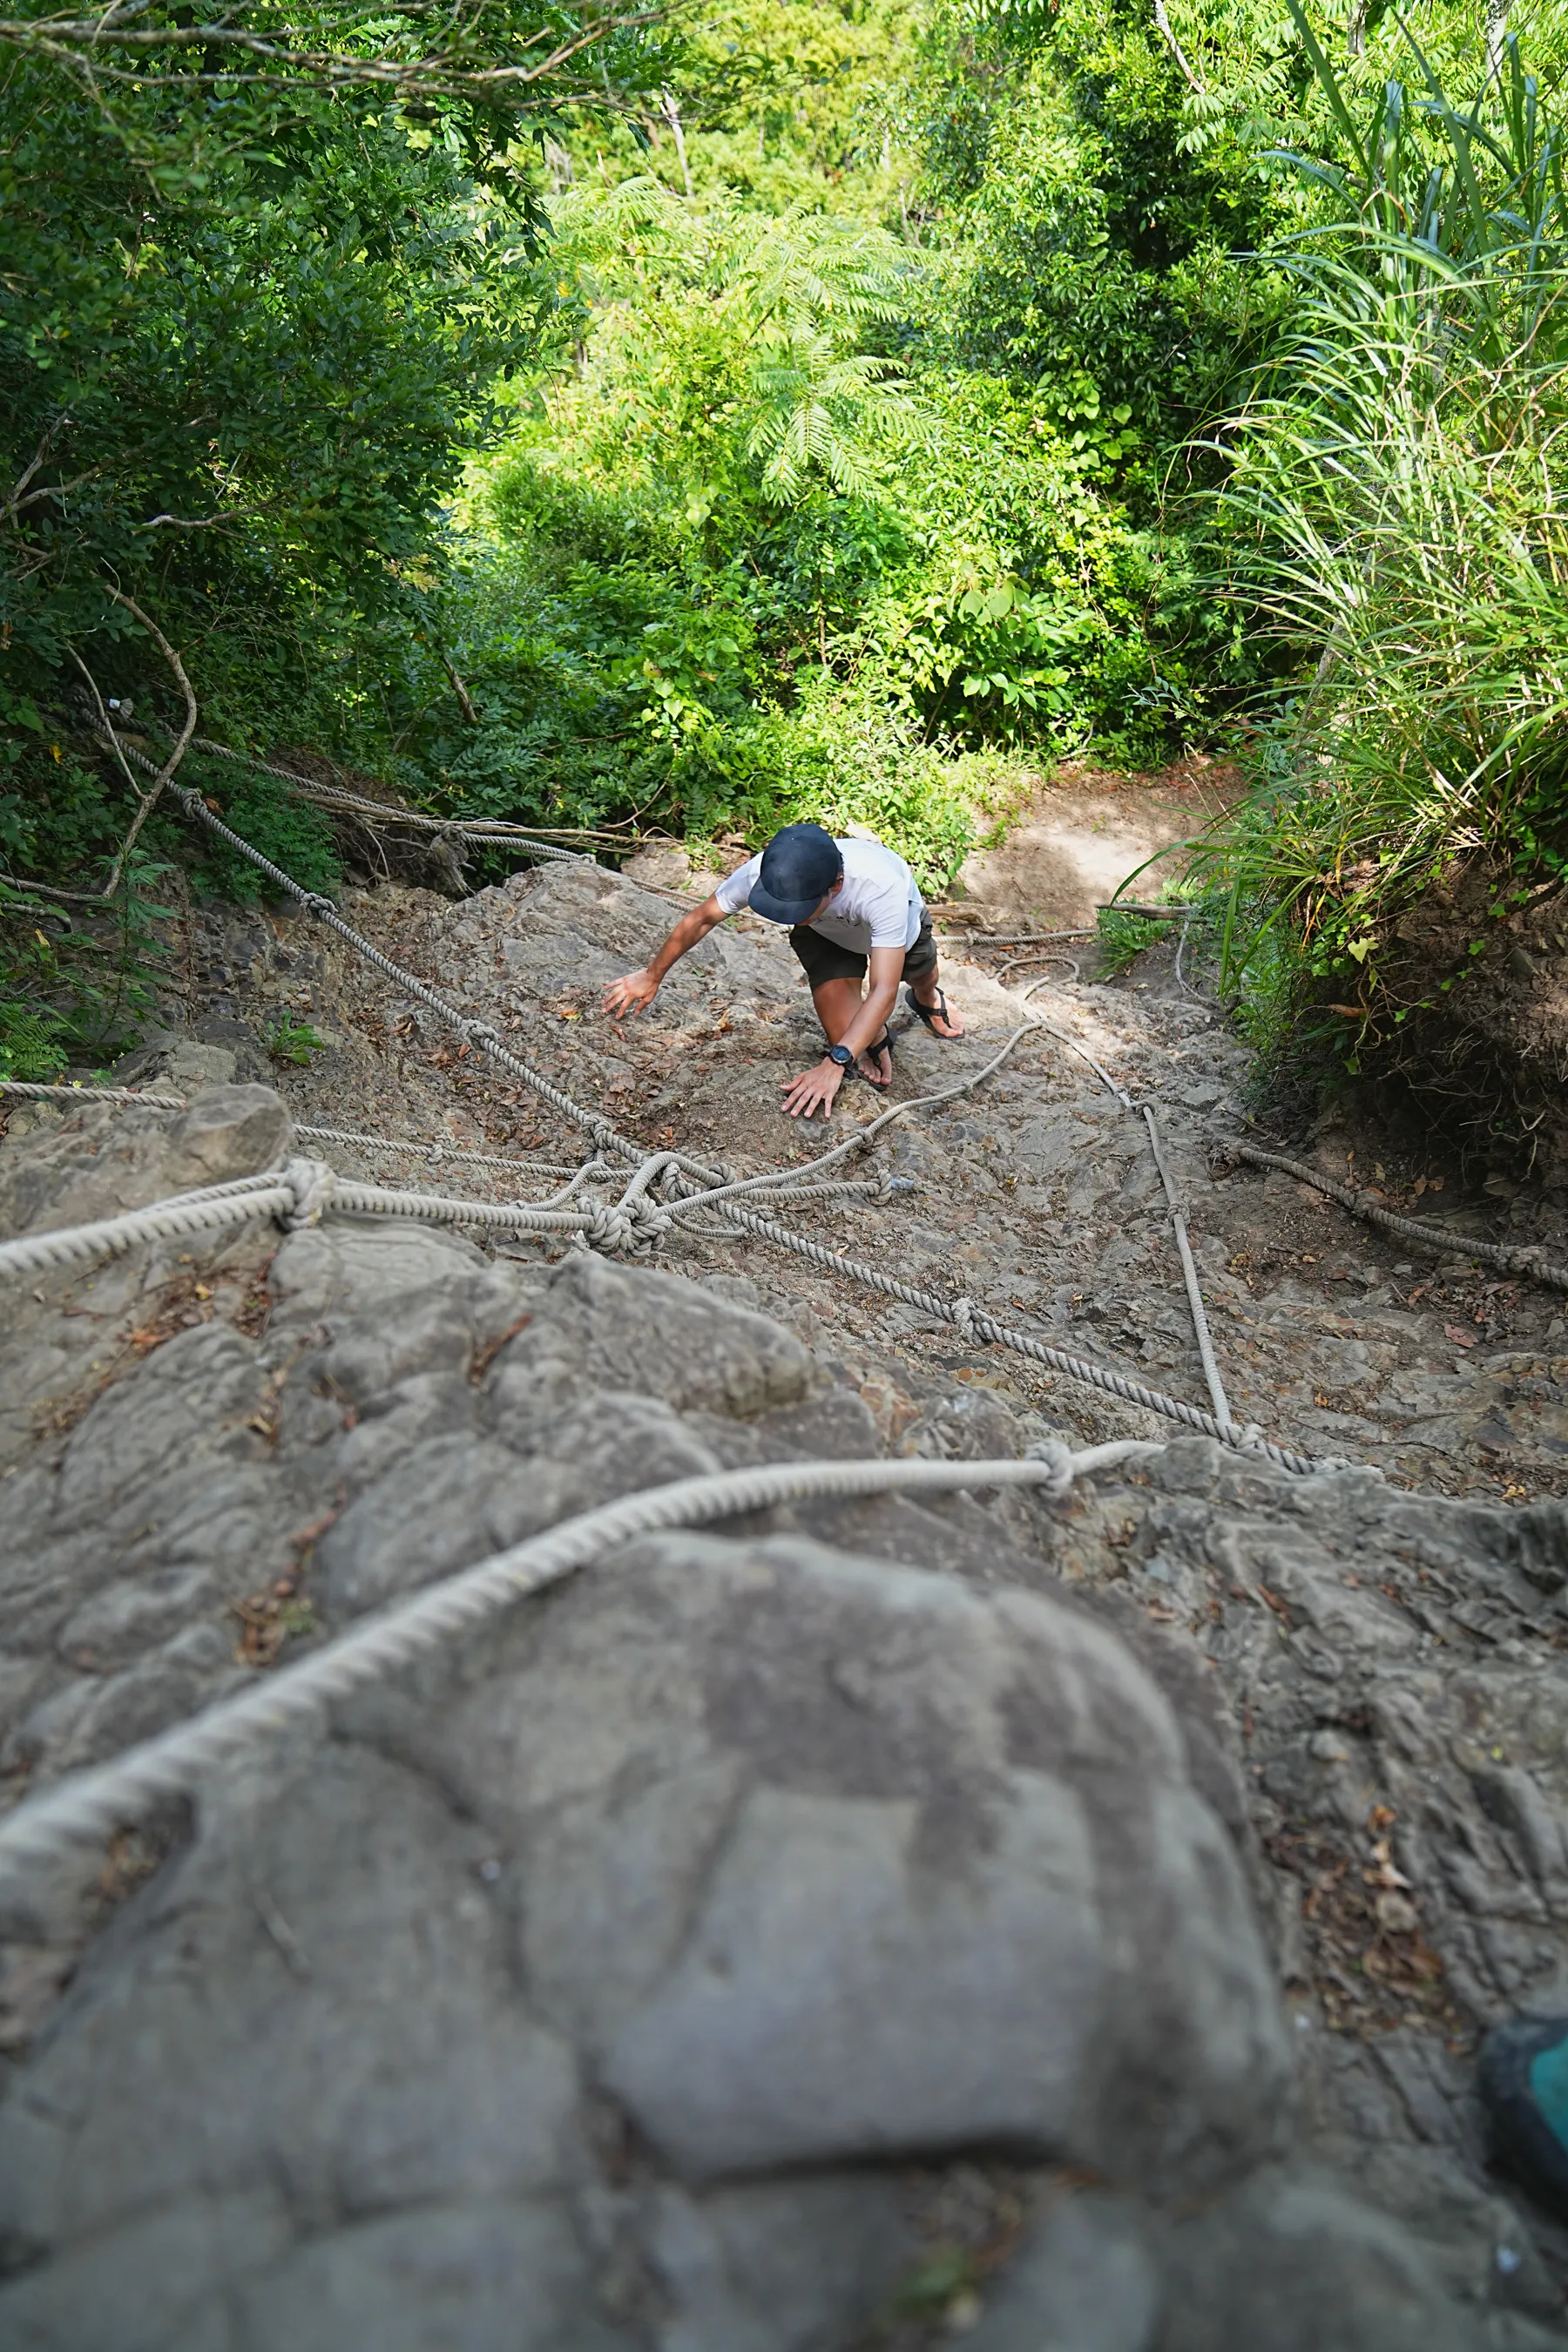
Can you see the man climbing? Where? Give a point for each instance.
(850, 906)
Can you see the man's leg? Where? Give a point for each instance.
(920, 969)
(838, 1001)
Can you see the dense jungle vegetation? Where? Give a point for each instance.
(694, 416)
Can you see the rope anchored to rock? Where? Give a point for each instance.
(297, 1195)
(690, 1184)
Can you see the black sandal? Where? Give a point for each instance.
(930, 1013)
(884, 1045)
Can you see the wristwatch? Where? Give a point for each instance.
(841, 1054)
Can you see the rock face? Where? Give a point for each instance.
(660, 1969)
(104, 1160)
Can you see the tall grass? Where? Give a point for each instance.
(1395, 513)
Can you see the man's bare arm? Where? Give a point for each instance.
(816, 1089)
(638, 991)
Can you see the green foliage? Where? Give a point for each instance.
(1123, 937)
(74, 983)
(840, 422)
(32, 1043)
(1392, 518)
(294, 1041)
(1088, 251)
(291, 832)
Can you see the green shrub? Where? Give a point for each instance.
(1123, 937)
(1392, 518)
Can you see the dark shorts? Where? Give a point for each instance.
(826, 960)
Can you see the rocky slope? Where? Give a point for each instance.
(1036, 1194)
(1067, 1925)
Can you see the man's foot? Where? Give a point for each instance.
(932, 1010)
(876, 1064)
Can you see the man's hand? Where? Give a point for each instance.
(633, 994)
(813, 1091)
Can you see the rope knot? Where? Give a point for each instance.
(626, 1228)
(312, 1185)
(479, 1033)
(1252, 1440)
(315, 903)
(962, 1311)
(1058, 1457)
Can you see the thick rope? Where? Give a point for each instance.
(1195, 1307)
(1189, 1272)
(169, 1220)
(476, 1033)
(178, 1763)
(298, 1193)
(29, 1092)
(618, 1229)
(1510, 1257)
(969, 1319)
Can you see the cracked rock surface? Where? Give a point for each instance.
(852, 1927)
(809, 1933)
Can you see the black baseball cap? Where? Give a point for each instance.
(800, 865)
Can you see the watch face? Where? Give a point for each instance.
(841, 1054)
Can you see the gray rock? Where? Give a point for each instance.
(100, 1161)
(599, 1984)
(1086, 2281)
(780, 2266)
(1289, 2263)
(930, 1837)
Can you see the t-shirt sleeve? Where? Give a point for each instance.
(735, 889)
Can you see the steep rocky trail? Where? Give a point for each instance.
(1036, 1195)
(216, 1457)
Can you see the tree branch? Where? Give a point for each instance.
(197, 522)
(85, 44)
(1164, 22)
(151, 798)
(460, 689)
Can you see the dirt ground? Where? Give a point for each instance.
(1082, 834)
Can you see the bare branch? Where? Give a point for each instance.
(49, 890)
(40, 455)
(155, 791)
(85, 45)
(179, 522)
(143, 799)
(104, 722)
(671, 113)
(52, 490)
(1164, 22)
(21, 496)
(460, 690)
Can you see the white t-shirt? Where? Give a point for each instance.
(878, 907)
